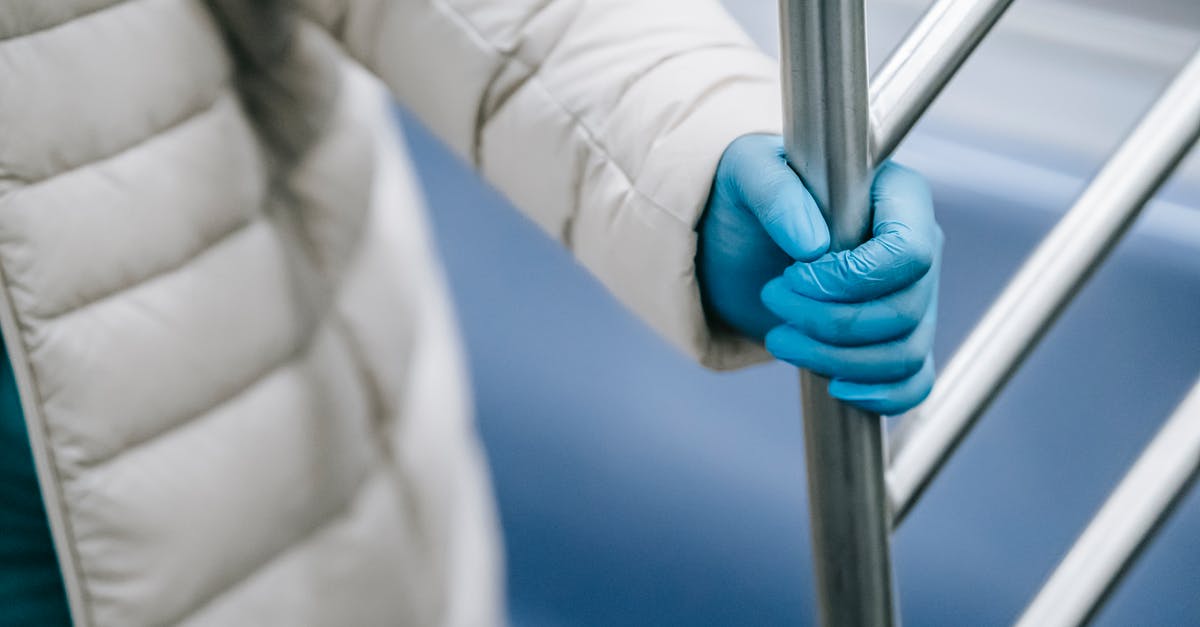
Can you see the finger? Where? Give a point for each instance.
(900, 195)
(904, 246)
(876, 363)
(765, 186)
(889, 318)
(888, 399)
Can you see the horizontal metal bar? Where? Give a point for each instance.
(1125, 524)
(925, 439)
(827, 140)
(907, 83)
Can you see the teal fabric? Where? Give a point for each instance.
(31, 586)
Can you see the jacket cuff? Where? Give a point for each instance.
(646, 252)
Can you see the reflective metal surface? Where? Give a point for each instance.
(1124, 525)
(921, 66)
(1045, 284)
(825, 110)
(825, 93)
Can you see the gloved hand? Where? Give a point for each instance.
(864, 317)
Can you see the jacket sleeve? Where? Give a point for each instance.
(603, 120)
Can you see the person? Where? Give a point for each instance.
(233, 394)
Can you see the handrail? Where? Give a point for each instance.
(827, 137)
(1065, 259)
(837, 131)
(909, 80)
(1121, 529)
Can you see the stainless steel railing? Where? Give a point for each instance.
(838, 131)
(827, 137)
(1043, 286)
(1130, 516)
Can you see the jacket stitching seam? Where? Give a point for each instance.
(665, 59)
(490, 102)
(167, 269)
(286, 360)
(577, 127)
(190, 116)
(326, 521)
(66, 21)
(577, 124)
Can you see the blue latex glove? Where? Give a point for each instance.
(865, 317)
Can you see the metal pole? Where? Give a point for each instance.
(1045, 284)
(1124, 525)
(825, 105)
(921, 66)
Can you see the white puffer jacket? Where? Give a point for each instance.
(243, 390)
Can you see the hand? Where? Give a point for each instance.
(759, 220)
(865, 317)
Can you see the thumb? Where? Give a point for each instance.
(766, 186)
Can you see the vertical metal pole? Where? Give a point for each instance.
(827, 137)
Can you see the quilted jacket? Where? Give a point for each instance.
(234, 352)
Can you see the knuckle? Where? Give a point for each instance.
(915, 183)
(914, 352)
(922, 186)
(909, 315)
(742, 146)
(909, 358)
(908, 247)
(913, 397)
(920, 253)
(922, 392)
(906, 326)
